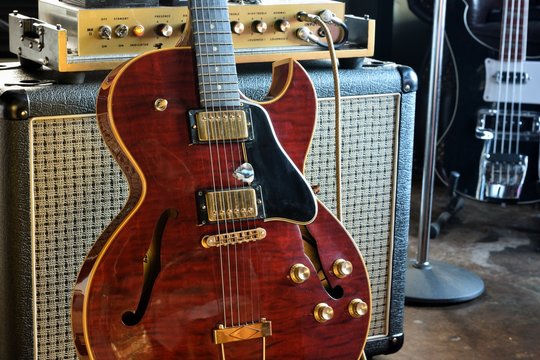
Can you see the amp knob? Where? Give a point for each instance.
(164, 30)
(259, 26)
(282, 25)
(237, 27)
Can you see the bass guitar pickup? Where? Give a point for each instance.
(244, 203)
(512, 82)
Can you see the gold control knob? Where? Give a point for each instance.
(342, 268)
(259, 26)
(105, 32)
(282, 25)
(237, 27)
(299, 273)
(358, 308)
(323, 312)
(164, 30)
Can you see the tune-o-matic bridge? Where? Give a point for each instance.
(229, 205)
(233, 238)
(217, 125)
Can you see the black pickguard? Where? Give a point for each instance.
(286, 193)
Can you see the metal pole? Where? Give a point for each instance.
(436, 282)
(434, 94)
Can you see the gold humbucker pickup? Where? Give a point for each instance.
(230, 205)
(259, 330)
(220, 125)
(233, 238)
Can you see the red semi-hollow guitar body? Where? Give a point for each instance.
(186, 303)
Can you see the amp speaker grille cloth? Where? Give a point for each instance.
(78, 189)
(368, 167)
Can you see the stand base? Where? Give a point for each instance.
(439, 283)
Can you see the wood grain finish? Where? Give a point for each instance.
(187, 302)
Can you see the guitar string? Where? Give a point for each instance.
(220, 88)
(197, 7)
(211, 22)
(243, 224)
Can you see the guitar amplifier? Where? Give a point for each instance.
(60, 188)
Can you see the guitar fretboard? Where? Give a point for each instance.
(513, 47)
(216, 67)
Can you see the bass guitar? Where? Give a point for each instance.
(492, 139)
(221, 251)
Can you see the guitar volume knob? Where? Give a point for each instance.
(358, 308)
(323, 312)
(299, 273)
(342, 268)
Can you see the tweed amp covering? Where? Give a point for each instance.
(78, 189)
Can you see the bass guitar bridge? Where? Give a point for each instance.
(501, 176)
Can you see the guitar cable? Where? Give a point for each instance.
(303, 16)
(337, 101)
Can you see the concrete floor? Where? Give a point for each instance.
(502, 246)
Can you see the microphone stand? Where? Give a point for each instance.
(435, 282)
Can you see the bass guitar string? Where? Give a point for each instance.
(506, 64)
(499, 92)
(523, 56)
(515, 59)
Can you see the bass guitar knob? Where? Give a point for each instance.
(299, 273)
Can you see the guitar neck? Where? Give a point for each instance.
(514, 25)
(216, 67)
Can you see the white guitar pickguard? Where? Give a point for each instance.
(499, 91)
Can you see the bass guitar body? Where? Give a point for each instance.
(173, 276)
(490, 119)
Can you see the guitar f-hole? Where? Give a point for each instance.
(312, 252)
(151, 269)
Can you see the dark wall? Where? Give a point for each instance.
(26, 7)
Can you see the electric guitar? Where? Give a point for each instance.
(493, 139)
(221, 251)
